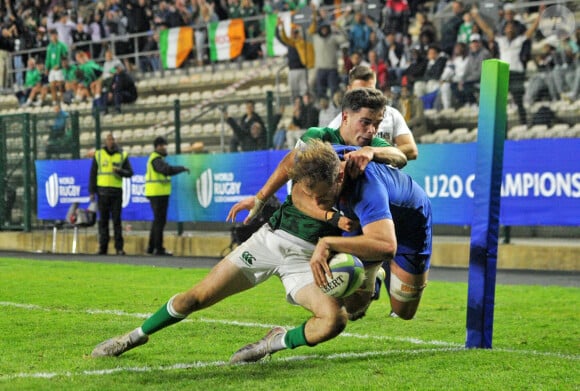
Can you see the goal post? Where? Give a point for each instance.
(492, 129)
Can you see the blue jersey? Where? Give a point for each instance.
(384, 192)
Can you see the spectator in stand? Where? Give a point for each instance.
(359, 35)
(89, 79)
(416, 68)
(453, 75)
(426, 40)
(295, 130)
(508, 15)
(436, 60)
(55, 52)
(510, 48)
(326, 45)
(396, 15)
(249, 12)
(151, 62)
(139, 20)
(116, 25)
(566, 60)
(108, 70)
(245, 123)
(70, 80)
(450, 27)
(58, 20)
(377, 42)
(123, 89)
(327, 112)
(542, 80)
(233, 9)
(300, 58)
(411, 107)
(396, 60)
(466, 28)
(422, 25)
(178, 14)
(575, 83)
(41, 41)
(309, 114)
(81, 39)
(32, 84)
(97, 31)
(469, 84)
(380, 69)
(249, 139)
(205, 16)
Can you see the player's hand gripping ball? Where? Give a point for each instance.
(348, 275)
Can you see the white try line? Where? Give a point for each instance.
(415, 341)
(447, 347)
(215, 364)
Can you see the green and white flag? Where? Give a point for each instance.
(274, 47)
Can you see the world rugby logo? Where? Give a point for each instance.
(51, 190)
(204, 188)
(126, 192)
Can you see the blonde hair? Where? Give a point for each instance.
(315, 163)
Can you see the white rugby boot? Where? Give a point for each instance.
(118, 345)
(258, 350)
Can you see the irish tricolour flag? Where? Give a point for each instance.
(226, 39)
(175, 45)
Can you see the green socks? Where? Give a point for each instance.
(165, 316)
(296, 337)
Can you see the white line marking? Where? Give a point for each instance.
(450, 347)
(230, 323)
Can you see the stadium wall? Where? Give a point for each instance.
(531, 254)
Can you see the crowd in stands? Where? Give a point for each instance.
(439, 65)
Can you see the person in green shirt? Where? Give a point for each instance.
(70, 80)
(89, 77)
(55, 52)
(33, 83)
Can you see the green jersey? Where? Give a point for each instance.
(91, 71)
(32, 78)
(288, 218)
(69, 73)
(333, 136)
(55, 51)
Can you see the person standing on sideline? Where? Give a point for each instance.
(157, 191)
(110, 166)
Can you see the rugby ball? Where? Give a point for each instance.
(348, 275)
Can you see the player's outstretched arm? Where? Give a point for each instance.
(255, 204)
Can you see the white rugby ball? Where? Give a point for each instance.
(348, 275)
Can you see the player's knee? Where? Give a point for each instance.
(405, 296)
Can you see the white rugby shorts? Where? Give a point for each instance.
(55, 75)
(268, 252)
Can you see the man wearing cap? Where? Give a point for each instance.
(110, 166)
(157, 190)
(471, 77)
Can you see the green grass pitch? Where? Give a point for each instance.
(54, 313)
